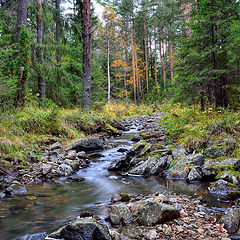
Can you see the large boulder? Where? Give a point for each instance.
(85, 229)
(231, 220)
(151, 166)
(87, 144)
(120, 213)
(153, 213)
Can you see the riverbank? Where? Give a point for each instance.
(155, 216)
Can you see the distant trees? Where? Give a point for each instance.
(144, 51)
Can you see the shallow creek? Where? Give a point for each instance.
(48, 206)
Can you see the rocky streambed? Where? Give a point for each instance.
(139, 162)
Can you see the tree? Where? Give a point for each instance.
(86, 35)
(41, 85)
(23, 60)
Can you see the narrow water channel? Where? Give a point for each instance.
(48, 206)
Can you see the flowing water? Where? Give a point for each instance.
(48, 206)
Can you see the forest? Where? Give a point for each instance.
(122, 113)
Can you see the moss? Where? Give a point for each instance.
(125, 197)
(110, 129)
(86, 214)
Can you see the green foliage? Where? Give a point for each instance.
(193, 128)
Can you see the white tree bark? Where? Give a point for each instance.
(108, 70)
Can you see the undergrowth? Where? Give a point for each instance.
(194, 128)
(29, 128)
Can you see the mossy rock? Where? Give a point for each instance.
(125, 197)
(86, 214)
(111, 130)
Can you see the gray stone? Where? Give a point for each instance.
(231, 220)
(221, 187)
(120, 213)
(87, 144)
(208, 172)
(197, 159)
(153, 213)
(195, 174)
(136, 138)
(226, 176)
(46, 168)
(74, 164)
(179, 152)
(55, 146)
(65, 170)
(151, 166)
(85, 229)
(71, 154)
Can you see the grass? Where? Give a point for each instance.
(193, 128)
(25, 130)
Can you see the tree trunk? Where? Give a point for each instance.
(164, 67)
(19, 99)
(155, 57)
(86, 34)
(108, 70)
(58, 27)
(133, 68)
(171, 59)
(41, 86)
(146, 53)
(21, 16)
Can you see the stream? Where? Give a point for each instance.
(47, 206)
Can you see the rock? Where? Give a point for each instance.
(226, 176)
(136, 207)
(75, 178)
(179, 152)
(56, 234)
(132, 231)
(71, 154)
(196, 160)
(111, 130)
(81, 155)
(152, 234)
(237, 165)
(46, 168)
(231, 220)
(208, 173)
(65, 170)
(137, 148)
(136, 138)
(153, 213)
(151, 166)
(122, 150)
(74, 164)
(85, 229)
(221, 187)
(120, 213)
(116, 125)
(55, 146)
(195, 174)
(87, 144)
